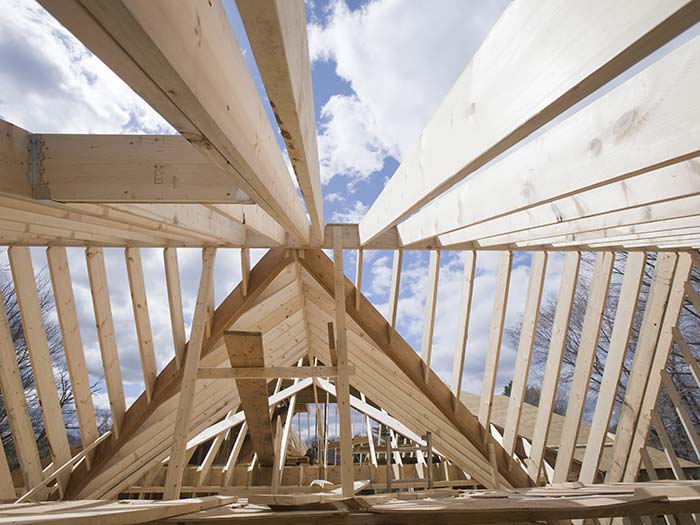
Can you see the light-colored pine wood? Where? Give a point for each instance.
(495, 117)
(270, 372)
(235, 452)
(493, 352)
(370, 435)
(465, 308)
(585, 355)
(528, 330)
(15, 404)
(681, 410)
(358, 276)
(395, 287)
(668, 446)
(277, 34)
(557, 346)
(142, 319)
(343, 383)
(99, 289)
(684, 350)
(430, 304)
(72, 343)
(199, 82)
(173, 480)
(39, 355)
(245, 269)
(617, 348)
(642, 363)
(7, 488)
(177, 321)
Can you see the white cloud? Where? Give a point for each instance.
(400, 59)
(352, 214)
(49, 81)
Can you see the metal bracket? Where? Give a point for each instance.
(35, 167)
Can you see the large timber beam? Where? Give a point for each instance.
(168, 381)
(245, 349)
(183, 59)
(276, 31)
(395, 347)
(513, 86)
(127, 168)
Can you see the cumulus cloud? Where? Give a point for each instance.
(49, 81)
(400, 60)
(352, 214)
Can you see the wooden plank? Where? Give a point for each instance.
(528, 330)
(343, 384)
(405, 358)
(430, 304)
(485, 104)
(177, 464)
(358, 276)
(39, 355)
(663, 348)
(681, 410)
(281, 452)
(15, 404)
(7, 488)
(131, 168)
(270, 372)
(685, 352)
(245, 269)
(276, 31)
(585, 355)
(255, 219)
(177, 321)
(617, 348)
(72, 343)
(199, 81)
(395, 287)
(465, 308)
(139, 303)
(495, 337)
(668, 446)
(370, 435)
(246, 350)
(659, 194)
(557, 345)
(642, 363)
(97, 274)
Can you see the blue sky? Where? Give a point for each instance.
(379, 71)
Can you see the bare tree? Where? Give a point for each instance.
(689, 324)
(63, 384)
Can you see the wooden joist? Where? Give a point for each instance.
(499, 99)
(465, 307)
(270, 372)
(430, 304)
(276, 30)
(173, 479)
(246, 350)
(197, 79)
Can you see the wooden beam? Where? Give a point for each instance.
(7, 487)
(430, 304)
(39, 355)
(585, 355)
(177, 321)
(465, 308)
(343, 385)
(617, 349)
(552, 165)
(405, 358)
(681, 410)
(663, 348)
(395, 287)
(245, 349)
(657, 303)
(666, 443)
(130, 168)
(199, 81)
(276, 30)
(552, 369)
(493, 352)
(245, 269)
(15, 403)
(270, 372)
(658, 194)
(72, 344)
(358, 276)
(528, 331)
(256, 220)
(485, 104)
(97, 274)
(177, 463)
(139, 303)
